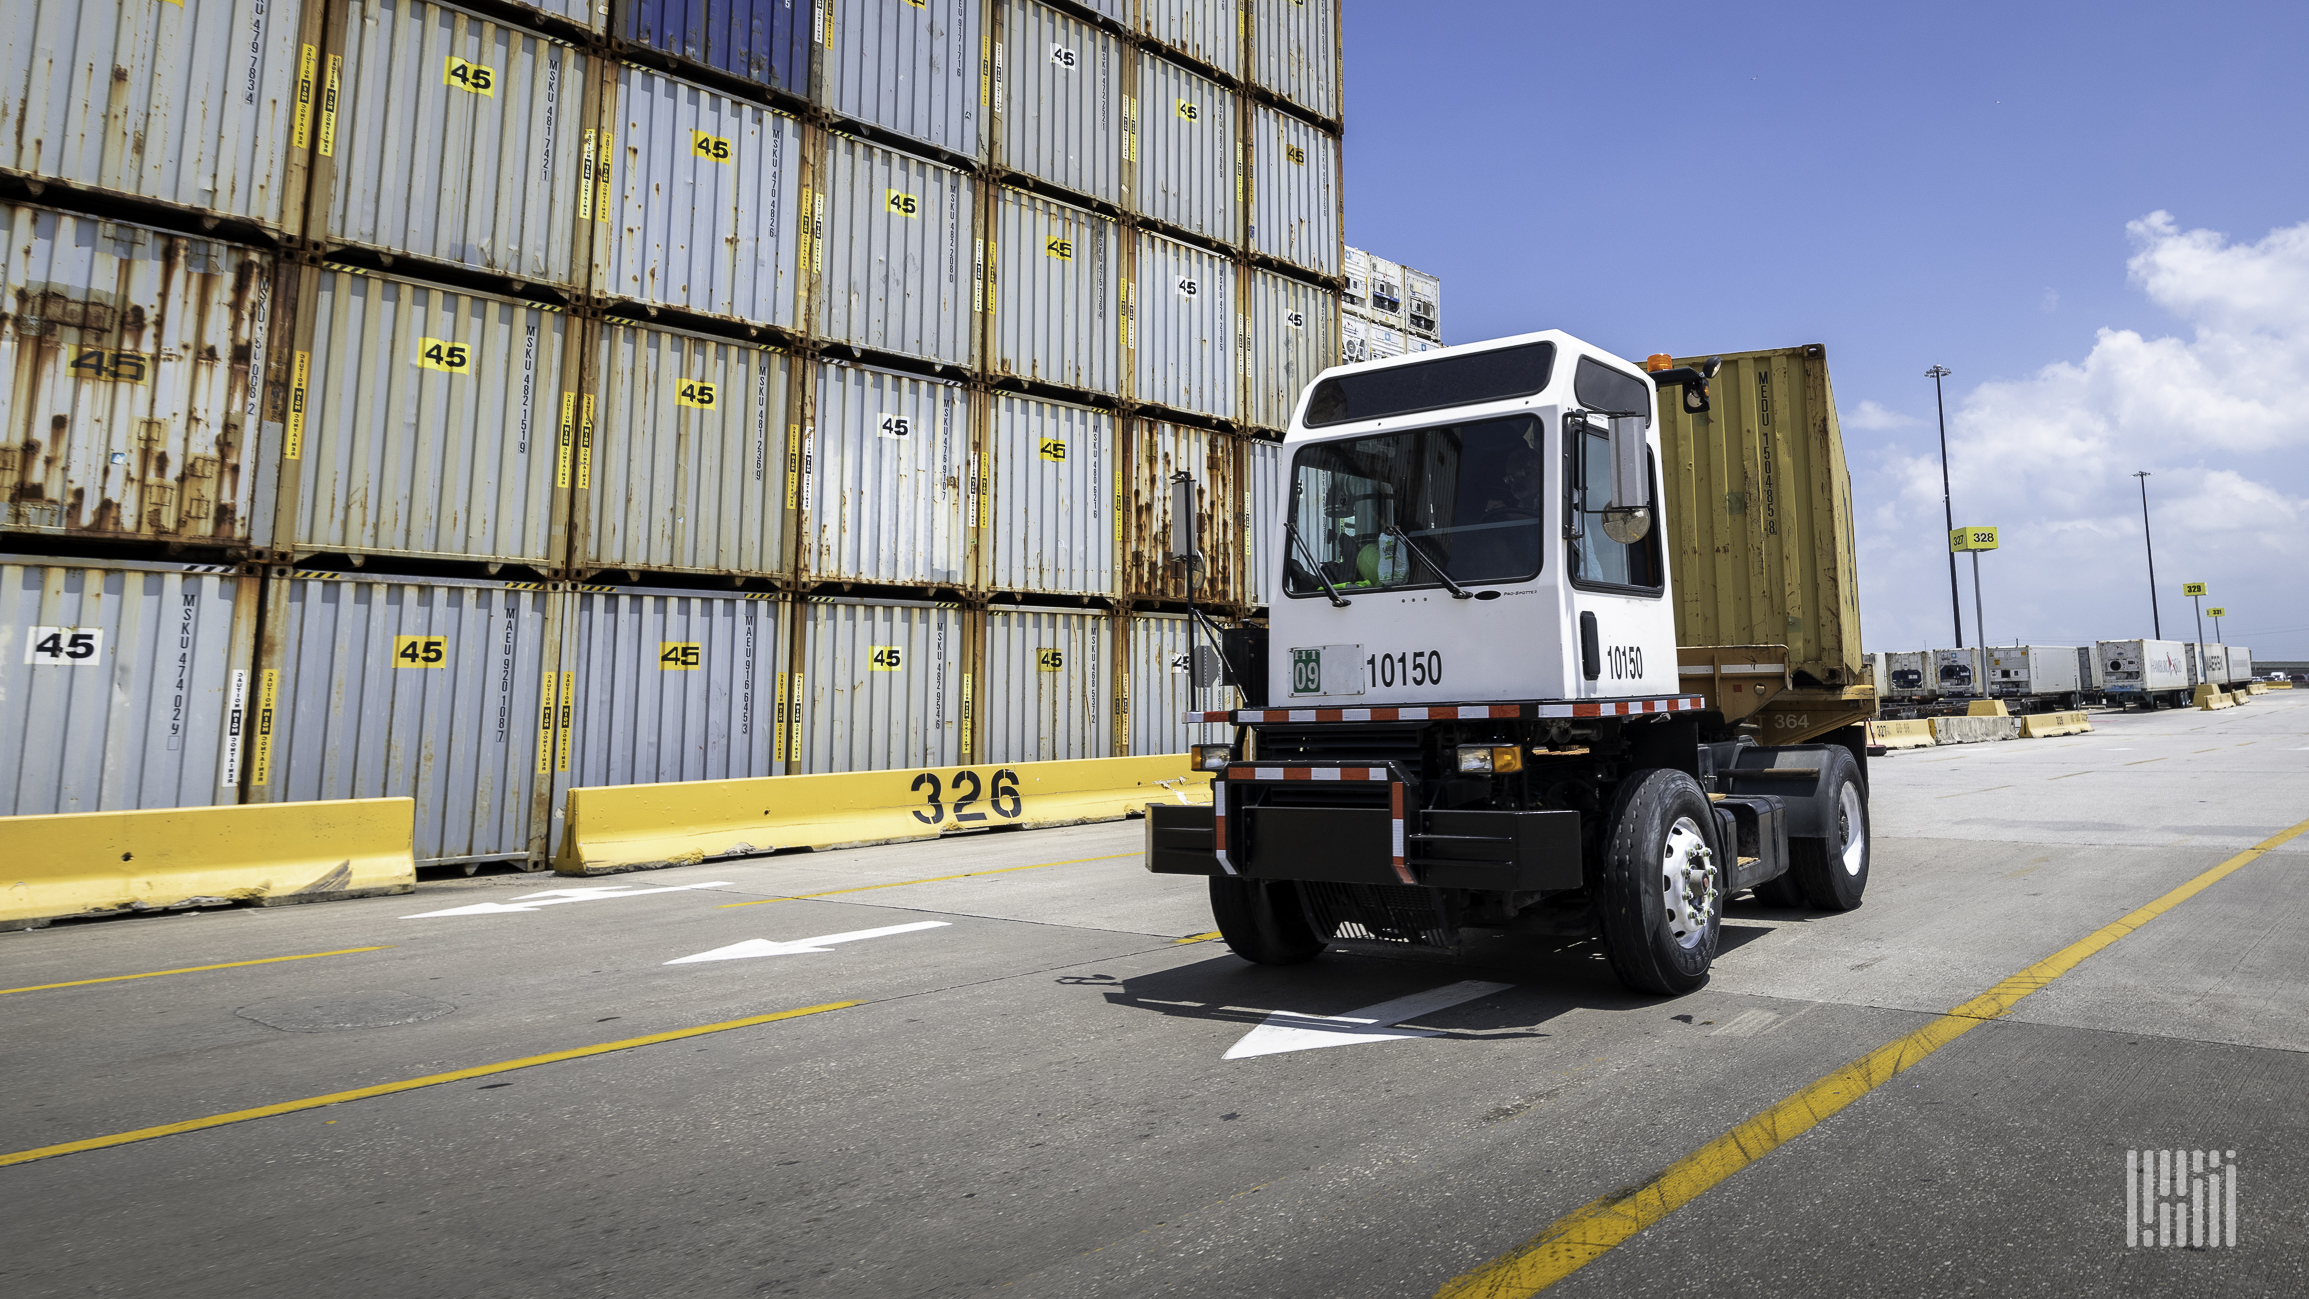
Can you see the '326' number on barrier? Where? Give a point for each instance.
(967, 790)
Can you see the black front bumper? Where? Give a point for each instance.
(1499, 851)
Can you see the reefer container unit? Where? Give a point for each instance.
(1364, 339)
(1049, 685)
(425, 421)
(1383, 301)
(1957, 673)
(2240, 664)
(1160, 690)
(694, 201)
(881, 685)
(447, 692)
(2032, 670)
(1054, 521)
(122, 685)
(1182, 333)
(666, 685)
(1058, 91)
(128, 409)
(1295, 52)
(198, 104)
(1290, 332)
(1056, 293)
(1759, 516)
(886, 468)
(766, 42)
(1422, 305)
(910, 68)
(2152, 671)
(1189, 161)
(685, 467)
(1355, 272)
(1295, 185)
(892, 254)
(1908, 675)
(2208, 663)
(457, 138)
(1159, 449)
(1263, 487)
(1208, 31)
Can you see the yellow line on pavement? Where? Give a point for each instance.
(387, 1089)
(1589, 1232)
(935, 879)
(1195, 938)
(192, 969)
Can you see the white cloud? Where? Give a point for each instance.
(1872, 415)
(2220, 418)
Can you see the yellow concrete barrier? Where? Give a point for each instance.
(1986, 708)
(635, 827)
(1901, 735)
(2037, 726)
(2258, 687)
(2278, 685)
(1973, 730)
(2211, 700)
(91, 863)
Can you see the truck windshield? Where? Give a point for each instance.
(1387, 511)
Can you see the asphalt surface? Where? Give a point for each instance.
(1031, 1097)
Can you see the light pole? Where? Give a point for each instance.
(1947, 510)
(2156, 620)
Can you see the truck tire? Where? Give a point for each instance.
(1662, 896)
(1833, 872)
(1781, 891)
(1262, 921)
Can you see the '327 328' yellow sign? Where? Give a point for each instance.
(1972, 539)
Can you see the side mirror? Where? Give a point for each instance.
(1628, 519)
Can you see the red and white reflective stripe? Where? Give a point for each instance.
(1456, 712)
(1622, 707)
(1395, 808)
(1306, 773)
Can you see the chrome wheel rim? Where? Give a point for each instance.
(1851, 828)
(1688, 883)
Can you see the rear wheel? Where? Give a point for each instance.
(1833, 871)
(1663, 884)
(1262, 921)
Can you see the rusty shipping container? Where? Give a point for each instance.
(1295, 210)
(1049, 685)
(1058, 91)
(129, 411)
(894, 254)
(447, 692)
(1056, 296)
(457, 138)
(1262, 484)
(1290, 332)
(206, 105)
(1760, 523)
(1053, 523)
(686, 467)
(912, 68)
(886, 469)
(694, 200)
(880, 685)
(1182, 335)
(1295, 53)
(123, 685)
(1158, 449)
(429, 422)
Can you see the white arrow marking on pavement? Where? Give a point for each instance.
(1287, 1030)
(824, 942)
(556, 897)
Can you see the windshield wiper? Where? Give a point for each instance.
(1291, 530)
(1458, 592)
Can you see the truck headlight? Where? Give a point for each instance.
(1213, 757)
(1489, 759)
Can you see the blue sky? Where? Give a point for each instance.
(2096, 215)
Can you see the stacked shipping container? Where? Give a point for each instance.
(434, 324)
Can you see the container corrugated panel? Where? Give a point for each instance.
(1759, 515)
(885, 472)
(892, 255)
(1054, 522)
(1158, 450)
(1263, 479)
(1422, 305)
(882, 686)
(1049, 686)
(1295, 183)
(127, 409)
(670, 686)
(683, 469)
(701, 202)
(432, 424)
(1295, 52)
(1183, 328)
(458, 139)
(441, 691)
(191, 103)
(1288, 332)
(1056, 294)
(122, 685)
(1208, 31)
(1058, 100)
(912, 68)
(764, 41)
(1161, 690)
(1190, 165)
(1119, 10)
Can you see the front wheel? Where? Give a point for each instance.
(1663, 884)
(1833, 871)
(1262, 921)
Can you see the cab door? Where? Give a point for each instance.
(1621, 627)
